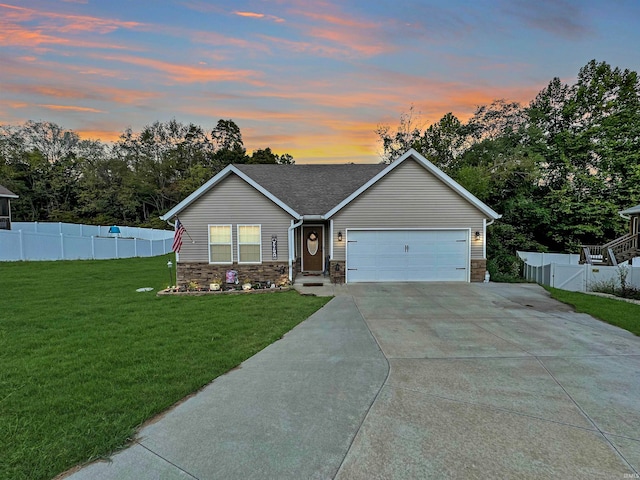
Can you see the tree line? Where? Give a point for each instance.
(558, 169)
(60, 177)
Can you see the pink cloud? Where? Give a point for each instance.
(189, 73)
(71, 108)
(260, 16)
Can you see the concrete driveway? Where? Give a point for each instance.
(412, 381)
(496, 381)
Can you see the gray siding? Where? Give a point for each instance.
(233, 202)
(408, 197)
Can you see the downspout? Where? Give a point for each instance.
(292, 246)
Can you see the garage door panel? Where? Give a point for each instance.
(407, 255)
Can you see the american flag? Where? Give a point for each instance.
(177, 237)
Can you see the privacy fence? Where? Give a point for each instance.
(70, 241)
(563, 271)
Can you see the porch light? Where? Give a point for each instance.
(477, 235)
(339, 236)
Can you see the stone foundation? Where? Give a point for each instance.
(337, 276)
(204, 273)
(478, 269)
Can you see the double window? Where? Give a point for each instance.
(249, 244)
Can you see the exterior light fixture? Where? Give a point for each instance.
(339, 236)
(170, 266)
(477, 235)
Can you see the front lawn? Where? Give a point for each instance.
(616, 312)
(85, 359)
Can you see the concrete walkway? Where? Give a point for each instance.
(473, 381)
(289, 412)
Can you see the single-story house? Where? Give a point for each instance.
(405, 221)
(5, 207)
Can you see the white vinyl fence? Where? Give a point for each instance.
(69, 241)
(565, 272)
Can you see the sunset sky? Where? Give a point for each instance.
(310, 78)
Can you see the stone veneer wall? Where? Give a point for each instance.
(337, 276)
(204, 273)
(478, 269)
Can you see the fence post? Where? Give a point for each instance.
(586, 277)
(21, 246)
(93, 248)
(36, 227)
(135, 247)
(117, 256)
(61, 246)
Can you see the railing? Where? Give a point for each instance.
(615, 250)
(611, 253)
(591, 253)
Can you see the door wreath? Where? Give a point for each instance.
(312, 243)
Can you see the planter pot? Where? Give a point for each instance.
(246, 286)
(214, 287)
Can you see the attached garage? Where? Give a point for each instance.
(408, 255)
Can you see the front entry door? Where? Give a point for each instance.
(312, 249)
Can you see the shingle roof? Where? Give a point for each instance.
(311, 189)
(5, 192)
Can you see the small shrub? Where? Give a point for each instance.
(618, 287)
(605, 286)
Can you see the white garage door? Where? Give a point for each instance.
(407, 256)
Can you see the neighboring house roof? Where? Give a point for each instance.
(631, 211)
(5, 192)
(321, 190)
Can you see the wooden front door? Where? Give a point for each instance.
(312, 249)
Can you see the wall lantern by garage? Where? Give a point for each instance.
(477, 235)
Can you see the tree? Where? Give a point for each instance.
(406, 135)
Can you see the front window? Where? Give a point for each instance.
(249, 244)
(220, 250)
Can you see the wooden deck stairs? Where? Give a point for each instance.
(612, 253)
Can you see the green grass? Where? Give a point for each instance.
(616, 312)
(85, 359)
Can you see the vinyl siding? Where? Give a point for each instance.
(408, 197)
(233, 202)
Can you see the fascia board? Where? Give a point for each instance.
(411, 153)
(267, 193)
(224, 173)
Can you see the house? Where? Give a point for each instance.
(5, 207)
(406, 221)
(622, 249)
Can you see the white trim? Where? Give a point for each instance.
(484, 238)
(346, 239)
(331, 239)
(446, 179)
(209, 242)
(238, 242)
(302, 247)
(217, 179)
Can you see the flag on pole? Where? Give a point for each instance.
(177, 237)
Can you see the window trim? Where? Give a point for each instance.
(238, 242)
(230, 243)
